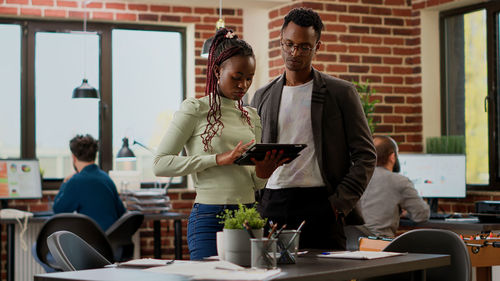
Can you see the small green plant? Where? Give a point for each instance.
(235, 219)
(365, 94)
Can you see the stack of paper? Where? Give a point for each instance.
(216, 270)
(359, 255)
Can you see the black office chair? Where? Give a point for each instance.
(120, 235)
(79, 224)
(434, 241)
(73, 253)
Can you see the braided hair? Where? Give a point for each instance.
(224, 46)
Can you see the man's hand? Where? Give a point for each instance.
(228, 157)
(265, 168)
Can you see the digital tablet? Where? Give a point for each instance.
(258, 151)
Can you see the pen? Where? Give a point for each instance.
(279, 231)
(273, 229)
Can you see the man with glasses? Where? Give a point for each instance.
(306, 106)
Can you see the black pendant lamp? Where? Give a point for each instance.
(220, 24)
(85, 90)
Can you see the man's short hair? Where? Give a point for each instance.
(84, 147)
(304, 17)
(384, 146)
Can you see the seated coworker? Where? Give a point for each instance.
(389, 194)
(90, 191)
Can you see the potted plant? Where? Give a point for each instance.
(365, 94)
(236, 237)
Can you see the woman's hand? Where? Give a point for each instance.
(265, 168)
(228, 157)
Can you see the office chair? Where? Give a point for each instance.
(120, 235)
(79, 224)
(434, 241)
(73, 253)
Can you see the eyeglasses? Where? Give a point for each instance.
(303, 49)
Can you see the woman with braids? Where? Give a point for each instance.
(215, 130)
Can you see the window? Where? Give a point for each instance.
(10, 81)
(145, 63)
(58, 70)
(469, 88)
(138, 70)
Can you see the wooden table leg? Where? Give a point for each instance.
(483, 273)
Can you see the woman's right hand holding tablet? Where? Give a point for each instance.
(228, 157)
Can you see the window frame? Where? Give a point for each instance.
(104, 30)
(492, 47)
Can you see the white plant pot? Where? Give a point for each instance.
(237, 245)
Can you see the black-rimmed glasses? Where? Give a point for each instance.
(302, 49)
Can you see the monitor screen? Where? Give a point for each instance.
(20, 179)
(435, 175)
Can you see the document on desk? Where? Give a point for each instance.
(215, 270)
(359, 255)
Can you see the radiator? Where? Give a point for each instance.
(25, 266)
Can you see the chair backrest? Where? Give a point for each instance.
(79, 224)
(73, 253)
(437, 241)
(120, 235)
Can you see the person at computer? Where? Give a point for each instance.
(90, 191)
(215, 130)
(390, 195)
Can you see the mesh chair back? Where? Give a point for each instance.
(79, 224)
(73, 253)
(120, 235)
(437, 241)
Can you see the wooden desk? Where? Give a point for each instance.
(460, 227)
(484, 259)
(156, 218)
(309, 268)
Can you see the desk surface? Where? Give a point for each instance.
(147, 217)
(455, 226)
(308, 268)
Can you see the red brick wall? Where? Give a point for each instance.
(369, 40)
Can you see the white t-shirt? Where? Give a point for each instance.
(294, 126)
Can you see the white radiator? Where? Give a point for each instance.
(25, 266)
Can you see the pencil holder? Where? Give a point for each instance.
(288, 245)
(263, 253)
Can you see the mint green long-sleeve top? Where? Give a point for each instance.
(229, 184)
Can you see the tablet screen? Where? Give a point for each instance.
(258, 151)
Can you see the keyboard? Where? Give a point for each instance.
(43, 214)
(439, 216)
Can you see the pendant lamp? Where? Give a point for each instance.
(85, 90)
(220, 24)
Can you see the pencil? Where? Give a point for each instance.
(249, 230)
(279, 231)
(273, 229)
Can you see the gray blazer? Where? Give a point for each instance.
(342, 138)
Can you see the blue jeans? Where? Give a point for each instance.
(203, 225)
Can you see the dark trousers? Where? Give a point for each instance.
(322, 229)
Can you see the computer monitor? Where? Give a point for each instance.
(20, 179)
(435, 175)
